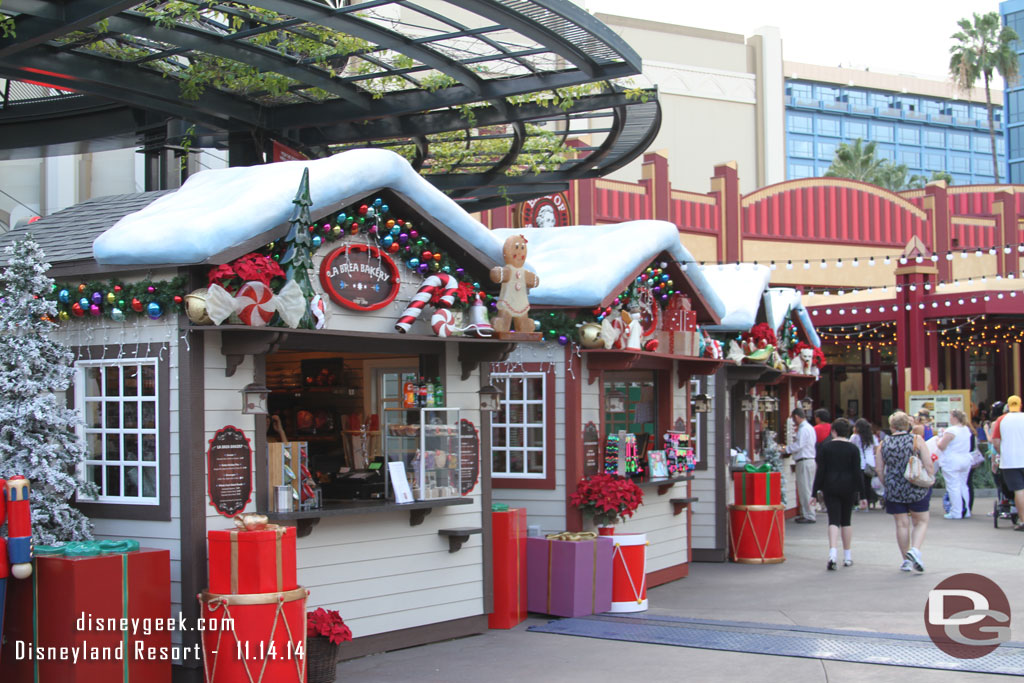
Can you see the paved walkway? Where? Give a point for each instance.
(872, 595)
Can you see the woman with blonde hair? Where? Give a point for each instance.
(955, 460)
(907, 503)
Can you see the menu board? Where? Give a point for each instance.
(939, 404)
(229, 471)
(469, 455)
(591, 449)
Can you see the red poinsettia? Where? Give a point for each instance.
(608, 497)
(249, 268)
(462, 293)
(327, 623)
(761, 332)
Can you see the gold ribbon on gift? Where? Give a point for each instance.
(572, 536)
(254, 522)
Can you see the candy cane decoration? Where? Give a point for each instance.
(423, 296)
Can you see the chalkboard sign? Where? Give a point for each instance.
(469, 455)
(591, 449)
(229, 471)
(360, 277)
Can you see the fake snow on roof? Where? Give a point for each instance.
(216, 210)
(740, 287)
(779, 301)
(581, 265)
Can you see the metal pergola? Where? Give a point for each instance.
(480, 95)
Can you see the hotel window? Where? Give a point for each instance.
(799, 123)
(827, 150)
(983, 143)
(882, 132)
(983, 166)
(883, 152)
(829, 127)
(1015, 105)
(801, 91)
(910, 104)
(801, 148)
(1017, 141)
(879, 100)
(827, 94)
(910, 136)
(931, 107)
(1017, 172)
(123, 403)
(801, 171)
(1000, 147)
(519, 445)
(958, 164)
(856, 98)
(934, 138)
(856, 129)
(959, 141)
(934, 162)
(911, 159)
(959, 111)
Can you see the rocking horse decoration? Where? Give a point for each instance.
(806, 359)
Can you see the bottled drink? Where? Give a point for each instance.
(421, 394)
(430, 393)
(438, 394)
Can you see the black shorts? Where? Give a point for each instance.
(1013, 478)
(840, 508)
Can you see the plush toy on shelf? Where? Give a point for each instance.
(516, 281)
(806, 359)
(633, 331)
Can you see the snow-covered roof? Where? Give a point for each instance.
(740, 286)
(216, 210)
(779, 301)
(581, 265)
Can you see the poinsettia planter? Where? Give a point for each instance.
(321, 659)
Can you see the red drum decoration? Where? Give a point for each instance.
(757, 534)
(263, 639)
(629, 573)
(260, 311)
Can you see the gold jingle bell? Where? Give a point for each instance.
(590, 336)
(195, 307)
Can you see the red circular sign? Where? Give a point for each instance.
(550, 211)
(967, 616)
(360, 277)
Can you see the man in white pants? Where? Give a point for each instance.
(801, 447)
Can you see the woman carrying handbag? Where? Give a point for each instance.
(907, 502)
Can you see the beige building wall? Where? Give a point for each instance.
(721, 98)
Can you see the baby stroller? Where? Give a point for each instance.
(1003, 507)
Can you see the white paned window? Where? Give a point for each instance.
(518, 437)
(118, 401)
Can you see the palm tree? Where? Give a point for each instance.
(981, 48)
(857, 161)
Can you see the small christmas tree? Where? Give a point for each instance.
(298, 256)
(37, 429)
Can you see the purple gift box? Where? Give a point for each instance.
(569, 578)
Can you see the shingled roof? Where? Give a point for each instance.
(67, 236)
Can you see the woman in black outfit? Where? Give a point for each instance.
(840, 486)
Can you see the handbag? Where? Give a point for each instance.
(916, 474)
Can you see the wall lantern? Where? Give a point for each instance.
(254, 399)
(747, 404)
(490, 399)
(701, 403)
(766, 403)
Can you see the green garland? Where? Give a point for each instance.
(116, 300)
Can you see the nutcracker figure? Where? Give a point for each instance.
(14, 505)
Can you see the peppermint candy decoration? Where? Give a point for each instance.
(439, 281)
(443, 322)
(257, 309)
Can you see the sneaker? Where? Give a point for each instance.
(831, 566)
(949, 515)
(907, 566)
(847, 563)
(915, 559)
(967, 513)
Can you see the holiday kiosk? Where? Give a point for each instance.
(608, 390)
(304, 340)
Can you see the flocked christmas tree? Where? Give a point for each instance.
(298, 255)
(37, 429)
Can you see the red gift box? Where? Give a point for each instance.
(508, 531)
(243, 562)
(757, 488)
(78, 600)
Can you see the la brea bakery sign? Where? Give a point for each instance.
(360, 277)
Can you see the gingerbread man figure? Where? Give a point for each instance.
(516, 281)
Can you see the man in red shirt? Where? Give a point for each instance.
(822, 427)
